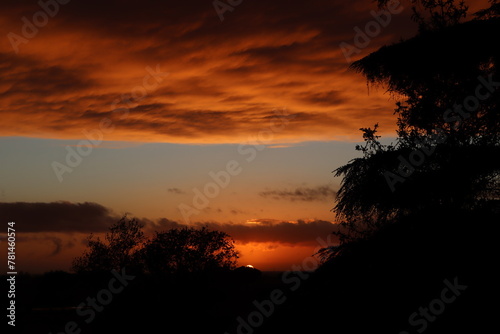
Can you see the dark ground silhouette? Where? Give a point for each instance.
(375, 286)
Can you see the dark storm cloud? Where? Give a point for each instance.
(57, 217)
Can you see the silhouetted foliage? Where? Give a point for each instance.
(426, 72)
(455, 140)
(181, 250)
(117, 251)
(187, 250)
(435, 14)
(491, 12)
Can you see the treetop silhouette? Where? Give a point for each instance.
(446, 80)
(179, 250)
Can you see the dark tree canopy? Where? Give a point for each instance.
(491, 12)
(435, 71)
(189, 250)
(435, 14)
(117, 251)
(181, 250)
(446, 152)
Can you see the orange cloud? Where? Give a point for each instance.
(225, 79)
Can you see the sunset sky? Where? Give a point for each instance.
(172, 95)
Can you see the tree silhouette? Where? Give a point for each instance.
(181, 250)
(435, 14)
(118, 250)
(448, 137)
(491, 12)
(187, 250)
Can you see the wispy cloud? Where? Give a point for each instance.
(320, 193)
(175, 191)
